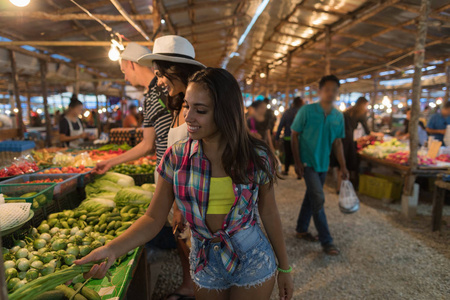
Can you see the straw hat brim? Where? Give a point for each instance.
(147, 60)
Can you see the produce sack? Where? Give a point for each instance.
(348, 201)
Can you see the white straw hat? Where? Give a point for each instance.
(133, 51)
(171, 48)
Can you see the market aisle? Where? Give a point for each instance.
(377, 260)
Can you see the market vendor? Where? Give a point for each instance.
(438, 123)
(71, 130)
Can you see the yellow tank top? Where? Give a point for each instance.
(221, 196)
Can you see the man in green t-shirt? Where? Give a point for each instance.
(316, 129)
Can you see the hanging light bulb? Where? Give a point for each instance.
(262, 75)
(20, 3)
(117, 44)
(276, 113)
(281, 109)
(342, 106)
(114, 53)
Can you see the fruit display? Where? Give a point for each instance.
(19, 168)
(133, 169)
(444, 158)
(402, 157)
(48, 180)
(37, 199)
(43, 259)
(45, 156)
(66, 170)
(383, 149)
(368, 140)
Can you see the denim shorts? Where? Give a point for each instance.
(256, 262)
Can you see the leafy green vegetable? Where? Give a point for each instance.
(151, 187)
(120, 179)
(133, 195)
(100, 186)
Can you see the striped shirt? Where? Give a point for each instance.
(157, 115)
(189, 171)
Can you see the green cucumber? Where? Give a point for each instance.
(51, 295)
(89, 293)
(69, 293)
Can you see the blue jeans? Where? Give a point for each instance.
(313, 206)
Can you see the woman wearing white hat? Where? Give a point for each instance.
(173, 61)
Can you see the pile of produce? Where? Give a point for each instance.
(444, 158)
(45, 156)
(368, 140)
(114, 147)
(381, 150)
(64, 160)
(134, 169)
(66, 170)
(19, 168)
(48, 180)
(112, 204)
(402, 157)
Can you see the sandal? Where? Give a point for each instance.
(180, 296)
(307, 236)
(331, 249)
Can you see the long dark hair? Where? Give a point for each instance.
(358, 110)
(178, 71)
(241, 148)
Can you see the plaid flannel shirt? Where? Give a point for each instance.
(189, 170)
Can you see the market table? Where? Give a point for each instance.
(408, 207)
(132, 271)
(440, 189)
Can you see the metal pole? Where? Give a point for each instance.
(77, 80)
(267, 82)
(48, 125)
(99, 125)
(374, 99)
(28, 102)
(327, 50)
(288, 79)
(253, 87)
(15, 80)
(409, 206)
(447, 82)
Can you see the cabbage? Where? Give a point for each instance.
(100, 186)
(151, 187)
(133, 195)
(105, 195)
(120, 179)
(95, 202)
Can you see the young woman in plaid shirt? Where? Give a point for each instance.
(231, 258)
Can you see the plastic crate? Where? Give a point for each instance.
(387, 189)
(83, 178)
(140, 179)
(43, 197)
(68, 185)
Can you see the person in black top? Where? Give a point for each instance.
(71, 131)
(269, 116)
(258, 124)
(285, 123)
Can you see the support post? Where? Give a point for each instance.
(253, 87)
(156, 19)
(267, 82)
(28, 102)
(76, 89)
(409, 202)
(48, 125)
(447, 82)
(374, 99)
(392, 110)
(327, 50)
(15, 80)
(99, 125)
(288, 79)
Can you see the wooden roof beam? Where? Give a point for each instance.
(69, 43)
(358, 37)
(88, 6)
(200, 5)
(69, 17)
(319, 10)
(135, 12)
(165, 15)
(415, 9)
(210, 22)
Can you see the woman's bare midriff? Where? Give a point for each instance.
(214, 223)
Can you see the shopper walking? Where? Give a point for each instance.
(438, 122)
(259, 124)
(316, 129)
(217, 177)
(173, 62)
(285, 124)
(157, 117)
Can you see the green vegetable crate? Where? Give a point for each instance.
(38, 194)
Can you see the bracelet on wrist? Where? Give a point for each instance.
(285, 271)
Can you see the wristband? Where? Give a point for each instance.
(285, 271)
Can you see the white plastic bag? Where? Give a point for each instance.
(348, 201)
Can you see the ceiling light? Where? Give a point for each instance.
(114, 53)
(369, 107)
(104, 109)
(163, 21)
(388, 110)
(432, 104)
(381, 106)
(386, 101)
(118, 45)
(39, 111)
(296, 43)
(86, 114)
(274, 101)
(400, 105)
(376, 106)
(269, 106)
(439, 101)
(7, 111)
(281, 109)
(20, 3)
(16, 110)
(262, 75)
(342, 106)
(248, 81)
(276, 113)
